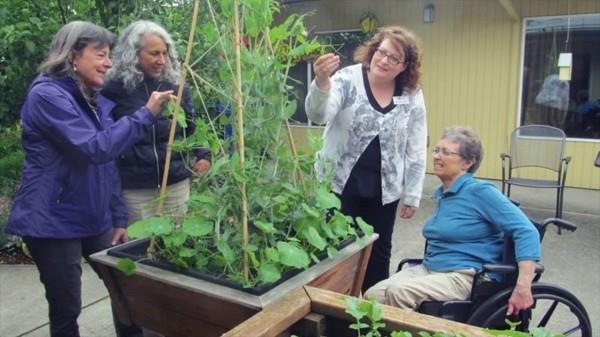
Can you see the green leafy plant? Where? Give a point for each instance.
(368, 318)
(512, 331)
(260, 211)
(11, 159)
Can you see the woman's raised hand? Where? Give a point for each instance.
(157, 98)
(324, 66)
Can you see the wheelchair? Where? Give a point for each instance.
(554, 308)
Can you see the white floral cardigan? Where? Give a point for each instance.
(352, 123)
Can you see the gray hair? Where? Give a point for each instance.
(469, 144)
(73, 37)
(125, 56)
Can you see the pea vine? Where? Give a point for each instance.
(258, 177)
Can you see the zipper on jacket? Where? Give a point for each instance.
(154, 140)
(156, 156)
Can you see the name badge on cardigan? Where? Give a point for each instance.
(398, 100)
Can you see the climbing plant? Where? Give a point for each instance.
(260, 211)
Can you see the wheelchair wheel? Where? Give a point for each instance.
(554, 308)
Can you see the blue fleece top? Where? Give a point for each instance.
(468, 226)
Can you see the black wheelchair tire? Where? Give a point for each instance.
(491, 313)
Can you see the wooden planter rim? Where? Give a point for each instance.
(279, 316)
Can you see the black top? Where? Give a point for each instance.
(142, 164)
(365, 178)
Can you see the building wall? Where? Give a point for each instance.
(471, 65)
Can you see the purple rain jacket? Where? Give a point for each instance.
(70, 186)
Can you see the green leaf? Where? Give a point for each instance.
(175, 239)
(357, 326)
(171, 107)
(159, 225)
(227, 252)
(266, 227)
(376, 314)
(138, 230)
(126, 266)
(309, 210)
(268, 273)
(400, 334)
(340, 224)
(332, 252)
(150, 226)
(272, 254)
(353, 309)
(282, 31)
(315, 239)
(327, 230)
(203, 198)
(365, 227)
(506, 333)
(250, 248)
(253, 259)
(30, 46)
(290, 109)
(326, 199)
(239, 176)
(197, 226)
(314, 258)
(201, 262)
(186, 252)
(292, 255)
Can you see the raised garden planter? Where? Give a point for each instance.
(175, 304)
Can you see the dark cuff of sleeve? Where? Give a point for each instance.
(120, 224)
(145, 116)
(203, 153)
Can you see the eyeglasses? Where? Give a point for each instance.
(443, 151)
(391, 58)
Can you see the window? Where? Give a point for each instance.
(344, 43)
(571, 105)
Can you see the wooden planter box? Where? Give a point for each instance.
(174, 304)
(313, 312)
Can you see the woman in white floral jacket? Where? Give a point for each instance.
(376, 134)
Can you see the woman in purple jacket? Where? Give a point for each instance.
(69, 203)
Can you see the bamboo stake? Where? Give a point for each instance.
(286, 122)
(188, 53)
(240, 122)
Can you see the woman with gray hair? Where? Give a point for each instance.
(145, 59)
(466, 232)
(69, 203)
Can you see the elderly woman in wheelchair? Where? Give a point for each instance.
(465, 232)
(474, 239)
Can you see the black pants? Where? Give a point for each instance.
(382, 218)
(59, 264)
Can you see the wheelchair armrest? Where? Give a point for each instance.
(508, 269)
(409, 262)
(560, 223)
(499, 268)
